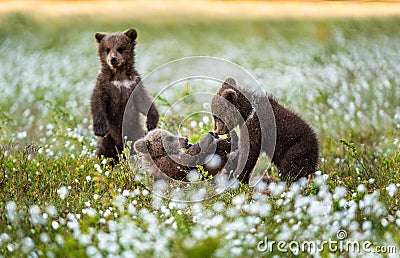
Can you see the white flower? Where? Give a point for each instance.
(60, 240)
(165, 210)
(367, 225)
(169, 221)
(55, 225)
(198, 195)
(12, 214)
(222, 182)
(391, 189)
(35, 215)
(92, 251)
(318, 208)
(218, 207)
(49, 126)
(22, 135)
(106, 213)
(213, 161)
(125, 193)
(84, 239)
(44, 238)
(193, 124)
(98, 168)
(27, 244)
(4, 237)
(119, 202)
(135, 192)
(193, 175)
(217, 220)
(238, 200)
(276, 189)
(361, 188)
(11, 247)
(319, 180)
(340, 192)
(259, 185)
(89, 211)
(145, 192)
(63, 192)
(107, 242)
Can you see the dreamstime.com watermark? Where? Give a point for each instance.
(341, 245)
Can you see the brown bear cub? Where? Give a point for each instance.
(288, 140)
(115, 83)
(162, 157)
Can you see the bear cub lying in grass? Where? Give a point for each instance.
(162, 157)
(289, 141)
(115, 83)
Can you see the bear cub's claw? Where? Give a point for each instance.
(187, 144)
(214, 134)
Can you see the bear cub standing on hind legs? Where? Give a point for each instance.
(296, 145)
(115, 83)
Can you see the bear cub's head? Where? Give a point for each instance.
(160, 143)
(117, 50)
(225, 107)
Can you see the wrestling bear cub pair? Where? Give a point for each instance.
(163, 158)
(265, 125)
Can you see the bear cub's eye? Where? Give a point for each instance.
(108, 50)
(120, 50)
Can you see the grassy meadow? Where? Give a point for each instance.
(58, 200)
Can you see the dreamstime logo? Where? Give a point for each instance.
(341, 244)
(341, 234)
(183, 90)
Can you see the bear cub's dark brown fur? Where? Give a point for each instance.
(115, 83)
(293, 147)
(162, 157)
(214, 161)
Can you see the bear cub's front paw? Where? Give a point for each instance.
(101, 129)
(151, 125)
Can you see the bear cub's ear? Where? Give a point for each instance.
(140, 146)
(131, 34)
(230, 82)
(99, 36)
(229, 95)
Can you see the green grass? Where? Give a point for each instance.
(341, 75)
